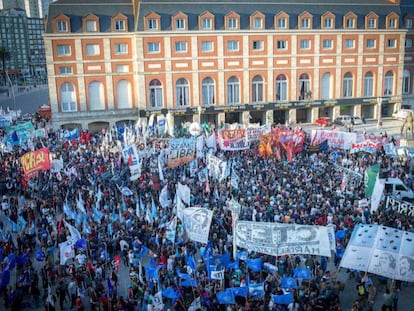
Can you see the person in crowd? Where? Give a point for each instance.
(84, 197)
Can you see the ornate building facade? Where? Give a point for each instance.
(225, 62)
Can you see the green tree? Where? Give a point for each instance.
(4, 56)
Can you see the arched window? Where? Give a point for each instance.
(182, 92)
(369, 84)
(68, 97)
(326, 86)
(124, 94)
(389, 83)
(304, 87)
(96, 96)
(347, 87)
(233, 90)
(155, 93)
(406, 87)
(257, 89)
(207, 91)
(281, 88)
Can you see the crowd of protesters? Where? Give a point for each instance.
(306, 190)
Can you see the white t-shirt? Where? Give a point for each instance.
(293, 306)
(81, 258)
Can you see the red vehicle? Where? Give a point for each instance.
(324, 121)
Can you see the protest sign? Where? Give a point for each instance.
(401, 207)
(233, 139)
(197, 223)
(217, 168)
(381, 250)
(282, 239)
(180, 151)
(336, 139)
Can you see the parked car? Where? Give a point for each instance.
(357, 120)
(324, 121)
(343, 119)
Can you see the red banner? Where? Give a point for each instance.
(34, 161)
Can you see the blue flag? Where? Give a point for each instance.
(225, 297)
(170, 292)
(189, 283)
(242, 255)
(152, 273)
(283, 299)
(23, 259)
(68, 212)
(220, 262)
(191, 262)
(10, 262)
(39, 255)
(110, 231)
(288, 282)
(233, 265)
(22, 222)
(340, 234)
(242, 291)
(110, 286)
(81, 243)
(256, 290)
(13, 226)
(184, 276)
(97, 215)
(254, 264)
(302, 273)
(5, 279)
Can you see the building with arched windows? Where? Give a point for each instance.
(223, 62)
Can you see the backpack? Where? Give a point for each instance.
(361, 290)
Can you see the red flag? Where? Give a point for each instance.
(116, 262)
(130, 159)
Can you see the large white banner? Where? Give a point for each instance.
(66, 251)
(381, 250)
(401, 207)
(282, 239)
(253, 133)
(217, 167)
(197, 221)
(336, 139)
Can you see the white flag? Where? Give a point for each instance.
(180, 208)
(183, 192)
(158, 304)
(148, 217)
(160, 172)
(195, 305)
(75, 234)
(377, 194)
(197, 221)
(66, 251)
(171, 228)
(163, 198)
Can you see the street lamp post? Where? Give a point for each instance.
(12, 91)
(199, 109)
(379, 107)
